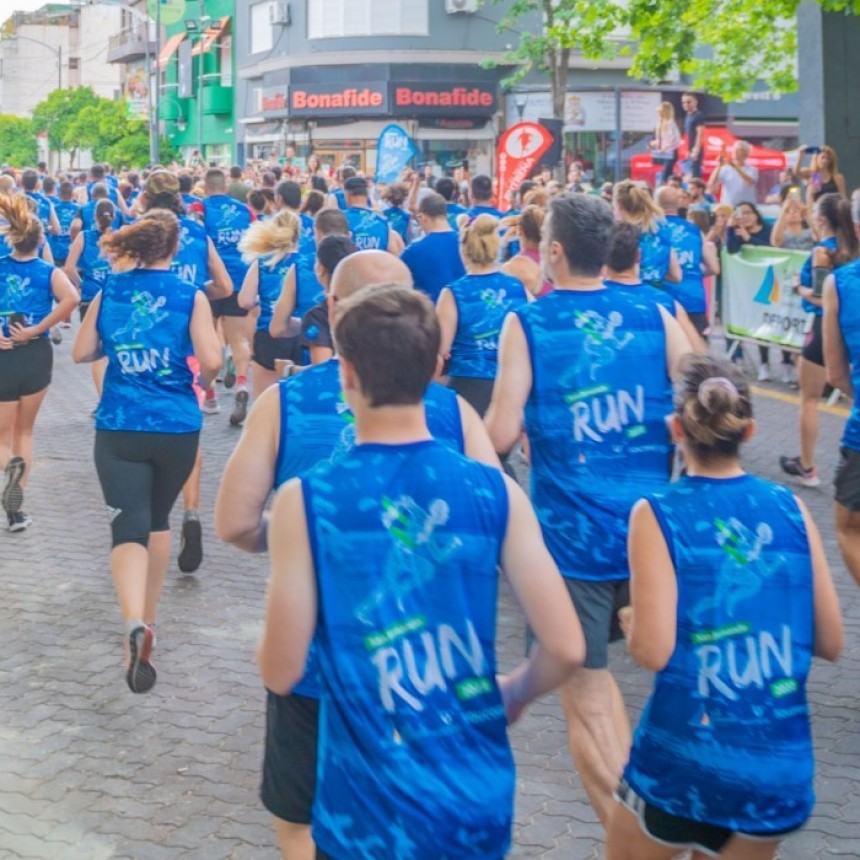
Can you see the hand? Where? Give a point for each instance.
(694, 153)
(513, 706)
(21, 334)
(6, 342)
(803, 148)
(625, 619)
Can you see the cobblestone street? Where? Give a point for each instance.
(89, 771)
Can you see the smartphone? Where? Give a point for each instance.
(813, 150)
(13, 319)
(794, 193)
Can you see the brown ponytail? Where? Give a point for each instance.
(105, 214)
(836, 211)
(23, 231)
(154, 237)
(637, 205)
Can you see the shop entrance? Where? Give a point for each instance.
(335, 153)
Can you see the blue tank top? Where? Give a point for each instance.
(317, 426)
(646, 293)
(655, 249)
(595, 419)
(307, 240)
(25, 288)
(93, 268)
(143, 324)
(66, 211)
(87, 214)
(455, 210)
(475, 211)
(367, 229)
(725, 737)
(399, 220)
(270, 284)
(113, 194)
(191, 262)
(435, 262)
(225, 220)
(406, 641)
(806, 274)
(43, 208)
(340, 197)
(687, 242)
(847, 280)
(483, 302)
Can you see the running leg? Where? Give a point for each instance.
(626, 840)
(238, 331)
(8, 410)
(812, 379)
(749, 849)
(22, 436)
(848, 534)
(262, 378)
(295, 840)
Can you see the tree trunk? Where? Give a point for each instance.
(559, 64)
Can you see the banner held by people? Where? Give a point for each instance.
(396, 149)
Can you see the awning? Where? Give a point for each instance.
(211, 35)
(169, 49)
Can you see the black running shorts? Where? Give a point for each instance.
(847, 480)
(268, 348)
(25, 370)
(597, 605)
(228, 307)
(813, 346)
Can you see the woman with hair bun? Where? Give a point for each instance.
(147, 322)
(731, 598)
(526, 265)
(472, 310)
(29, 287)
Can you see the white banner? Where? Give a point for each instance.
(591, 111)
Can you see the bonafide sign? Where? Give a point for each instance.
(444, 99)
(368, 99)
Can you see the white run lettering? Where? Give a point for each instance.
(595, 417)
(133, 361)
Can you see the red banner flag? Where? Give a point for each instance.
(519, 150)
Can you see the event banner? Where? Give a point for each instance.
(518, 153)
(395, 149)
(759, 299)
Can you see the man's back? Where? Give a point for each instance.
(435, 262)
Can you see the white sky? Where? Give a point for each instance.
(7, 7)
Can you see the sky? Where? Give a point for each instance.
(7, 7)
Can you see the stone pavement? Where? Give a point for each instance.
(89, 772)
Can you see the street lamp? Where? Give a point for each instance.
(196, 29)
(58, 52)
(520, 100)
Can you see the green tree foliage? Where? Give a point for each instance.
(18, 145)
(57, 114)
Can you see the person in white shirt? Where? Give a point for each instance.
(737, 178)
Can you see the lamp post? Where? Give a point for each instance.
(520, 100)
(196, 29)
(58, 53)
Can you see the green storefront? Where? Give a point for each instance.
(197, 70)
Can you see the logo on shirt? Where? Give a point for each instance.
(602, 341)
(146, 313)
(17, 288)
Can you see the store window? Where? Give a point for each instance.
(226, 61)
(261, 29)
(334, 19)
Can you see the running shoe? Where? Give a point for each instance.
(211, 406)
(240, 410)
(65, 324)
(764, 373)
(19, 521)
(230, 373)
(56, 336)
(191, 544)
(13, 493)
(792, 466)
(140, 676)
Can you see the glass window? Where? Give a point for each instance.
(226, 61)
(333, 19)
(261, 29)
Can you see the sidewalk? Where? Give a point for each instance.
(91, 772)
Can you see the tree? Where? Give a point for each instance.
(18, 145)
(57, 115)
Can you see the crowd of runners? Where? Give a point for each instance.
(388, 352)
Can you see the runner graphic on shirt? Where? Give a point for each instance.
(602, 343)
(145, 315)
(17, 288)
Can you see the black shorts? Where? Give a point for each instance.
(290, 757)
(813, 346)
(83, 307)
(268, 348)
(673, 830)
(847, 480)
(25, 370)
(700, 322)
(142, 475)
(228, 307)
(597, 605)
(476, 392)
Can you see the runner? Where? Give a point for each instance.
(369, 230)
(416, 555)
(147, 322)
(45, 209)
(590, 367)
(721, 563)
(302, 422)
(482, 198)
(85, 217)
(471, 312)
(842, 358)
(225, 220)
(525, 265)
(28, 289)
(65, 209)
(447, 189)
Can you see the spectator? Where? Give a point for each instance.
(787, 181)
(666, 141)
(746, 227)
(791, 230)
(698, 197)
(737, 178)
(823, 173)
(694, 125)
(238, 188)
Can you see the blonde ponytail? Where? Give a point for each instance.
(276, 238)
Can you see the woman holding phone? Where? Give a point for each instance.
(822, 175)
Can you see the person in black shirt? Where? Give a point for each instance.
(694, 125)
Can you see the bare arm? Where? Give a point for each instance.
(395, 243)
(88, 345)
(540, 591)
(777, 236)
(476, 441)
(710, 258)
(677, 343)
(694, 339)
(714, 178)
(250, 291)
(504, 419)
(71, 264)
(204, 337)
(446, 309)
(284, 307)
(54, 222)
(249, 477)
(674, 273)
(835, 355)
(291, 603)
(222, 286)
(75, 228)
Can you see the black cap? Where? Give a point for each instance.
(355, 185)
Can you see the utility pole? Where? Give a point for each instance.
(60, 67)
(155, 143)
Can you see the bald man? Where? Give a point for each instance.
(695, 256)
(271, 452)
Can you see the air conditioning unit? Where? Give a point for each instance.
(279, 13)
(457, 7)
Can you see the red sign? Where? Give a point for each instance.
(337, 100)
(276, 100)
(445, 97)
(519, 150)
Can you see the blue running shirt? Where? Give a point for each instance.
(435, 262)
(595, 419)
(225, 220)
(367, 228)
(398, 219)
(725, 737)
(191, 262)
(475, 211)
(270, 284)
(687, 242)
(307, 240)
(25, 288)
(806, 275)
(66, 210)
(847, 280)
(455, 210)
(646, 293)
(93, 268)
(414, 760)
(655, 249)
(143, 324)
(483, 302)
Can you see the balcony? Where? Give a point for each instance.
(217, 99)
(130, 44)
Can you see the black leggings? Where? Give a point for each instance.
(142, 474)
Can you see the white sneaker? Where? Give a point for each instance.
(764, 373)
(788, 375)
(211, 406)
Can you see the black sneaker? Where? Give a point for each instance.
(13, 493)
(19, 521)
(792, 466)
(140, 676)
(191, 546)
(240, 410)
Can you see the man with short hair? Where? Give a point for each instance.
(589, 368)
(388, 552)
(44, 208)
(694, 127)
(482, 197)
(186, 184)
(434, 260)
(447, 188)
(273, 450)
(99, 175)
(238, 188)
(338, 197)
(369, 229)
(288, 195)
(737, 178)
